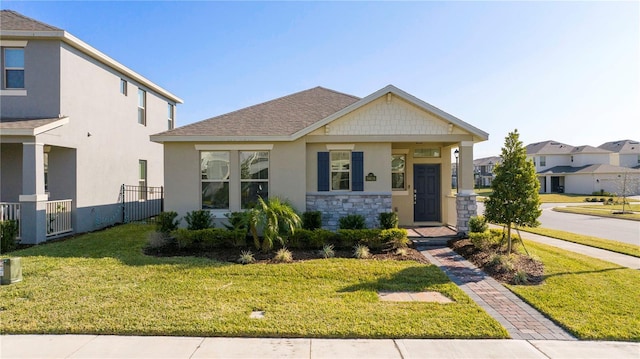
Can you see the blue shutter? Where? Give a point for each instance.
(357, 171)
(323, 171)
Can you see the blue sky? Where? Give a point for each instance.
(567, 71)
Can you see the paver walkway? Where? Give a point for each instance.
(520, 319)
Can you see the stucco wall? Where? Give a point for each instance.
(10, 172)
(103, 128)
(42, 83)
(580, 160)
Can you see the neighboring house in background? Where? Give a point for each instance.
(587, 169)
(483, 170)
(327, 151)
(74, 127)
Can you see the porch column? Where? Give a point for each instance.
(33, 198)
(465, 199)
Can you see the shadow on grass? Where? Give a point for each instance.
(413, 279)
(584, 272)
(125, 243)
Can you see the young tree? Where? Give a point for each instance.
(515, 199)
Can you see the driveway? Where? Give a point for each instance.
(608, 228)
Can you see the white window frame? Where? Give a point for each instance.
(331, 170)
(142, 107)
(543, 161)
(223, 180)
(6, 68)
(404, 172)
(171, 115)
(250, 180)
(124, 86)
(142, 180)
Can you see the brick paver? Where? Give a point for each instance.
(520, 319)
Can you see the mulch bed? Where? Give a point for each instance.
(534, 269)
(232, 254)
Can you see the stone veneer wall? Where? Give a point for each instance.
(337, 205)
(466, 208)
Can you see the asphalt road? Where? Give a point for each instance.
(608, 228)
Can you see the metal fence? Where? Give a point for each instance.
(141, 202)
(58, 217)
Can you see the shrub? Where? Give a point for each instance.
(395, 238)
(478, 224)
(166, 222)
(402, 252)
(199, 219)
(158, 240)
(184, 238)
(481, 240)
(361, 251)
(520, 278)
(237, 220)
(352, 221)
(283, 255)
(350, 237)
(323, 237)
(276, 218)
(587, 199)
(312, 220)
(388, 220)
(246, 257)
(8, 234)
(327, 251)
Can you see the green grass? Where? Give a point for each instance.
(604, 211)
(101, 283)
(593, 299)
(614, 246)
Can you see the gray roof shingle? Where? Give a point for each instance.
(549, 148)
(13, 21)
(283, 116)
(622, 146)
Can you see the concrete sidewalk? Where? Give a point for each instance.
(96, 347)
(613, 257)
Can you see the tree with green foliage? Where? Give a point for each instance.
(276, 218)
(515, 200)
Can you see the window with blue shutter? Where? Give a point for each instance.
(323, 171)
(357, 171)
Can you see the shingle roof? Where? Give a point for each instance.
(23, 124)
(283, 116)
(11, 20)
(487, 161)
(589, 149)
(622, 146)
(588, 169)
(548, 148)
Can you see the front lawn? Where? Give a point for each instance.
(604, 211)
(595, 300)
(614, 246)
(101, 283)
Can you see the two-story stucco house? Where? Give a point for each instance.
(74, 127)
(327, 151)
(587, 169)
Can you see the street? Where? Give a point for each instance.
(608, 228)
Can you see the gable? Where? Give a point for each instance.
(389, 115)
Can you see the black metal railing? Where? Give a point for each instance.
(141, 202)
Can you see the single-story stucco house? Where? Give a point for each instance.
(328, 151)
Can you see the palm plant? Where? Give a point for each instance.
(276, 219)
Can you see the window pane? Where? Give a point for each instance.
(397, 163)
(141, 98)
(397, 181)
(340, 180)
(214, 165)
(143, 169)
(15, 79)
(251, 191)
(254, 165)
(340, 160)
(215, 195)
(123, 87)
(141, 116)
(426, 152)
(14, 58)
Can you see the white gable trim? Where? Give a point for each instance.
(481, 135)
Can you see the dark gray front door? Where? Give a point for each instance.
(426, 193)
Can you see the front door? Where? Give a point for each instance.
(426, 193)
